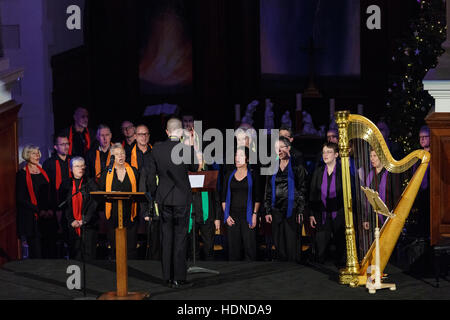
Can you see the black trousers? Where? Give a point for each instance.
(49, 231)
(240, 236)
(332, 231)
(205, 233)
(87, 241)
(286, 237)
(174, 227)
(154, 239)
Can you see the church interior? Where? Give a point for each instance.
(267, 64)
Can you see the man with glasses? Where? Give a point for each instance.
(140, 153)
(296, 155)
(58, 170)
(333, 136)
(129, 132)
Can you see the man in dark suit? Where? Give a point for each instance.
(173, 196)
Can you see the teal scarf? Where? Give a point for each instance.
(205, 206)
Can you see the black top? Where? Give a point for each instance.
(89, 207)
(239, 193)
(128, 148)
(25, 209)
(392, 187)
(79, 141)
(282, 190)
(49, 166)
(315, 196)
(123, 186)
(174, 188)
(143, 158)
(90, 160)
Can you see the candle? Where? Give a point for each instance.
(298, 97)
(237, 112)
(360, 109)
(331, 109)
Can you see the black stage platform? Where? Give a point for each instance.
(46, 280)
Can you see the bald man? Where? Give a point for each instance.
(140, 153)
(173, 196)
(81, 138)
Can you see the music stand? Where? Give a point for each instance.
(209, 184)
(121, 247)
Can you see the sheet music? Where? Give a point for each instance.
(197, 181)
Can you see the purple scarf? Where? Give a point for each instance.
(324, 188)
(381, 188)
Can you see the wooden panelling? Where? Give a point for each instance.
(8, 169)
(439, 124)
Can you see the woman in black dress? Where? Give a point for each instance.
(80, 211)
(240, 203)
(125, 178)
(32, 197)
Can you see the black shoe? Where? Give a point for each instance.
(180, 284)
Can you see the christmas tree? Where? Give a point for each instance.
(415, 53)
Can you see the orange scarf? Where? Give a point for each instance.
(109, 179)
(134, 162)
(77, 204)
(98, 166)
(86, 136)
(30, 186)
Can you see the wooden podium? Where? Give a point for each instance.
(121, 247)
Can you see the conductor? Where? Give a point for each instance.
(170, 161)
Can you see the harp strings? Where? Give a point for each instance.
(364, 216)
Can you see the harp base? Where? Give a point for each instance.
(374, 287)
(349, 276)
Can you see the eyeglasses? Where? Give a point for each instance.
(327, 152)
(79, 166)
(423, 137)
(143, 134)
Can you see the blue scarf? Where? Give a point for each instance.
(249, 197)
(291, 189)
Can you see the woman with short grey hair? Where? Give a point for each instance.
(80, 211)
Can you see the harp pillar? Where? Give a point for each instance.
(350, 274)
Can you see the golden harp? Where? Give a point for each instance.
(358, 128)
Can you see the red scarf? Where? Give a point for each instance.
(30, 186)
(58, 178)
(86, 136)
(77, 204)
